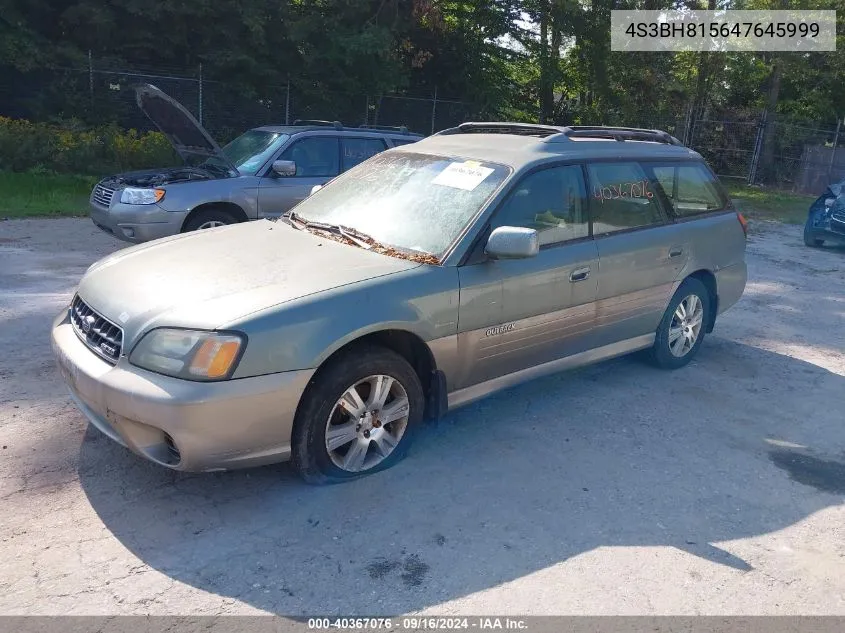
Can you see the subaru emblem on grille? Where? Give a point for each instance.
(87, 323)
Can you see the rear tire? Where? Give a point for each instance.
(809, 240)
(682, 328)
(357, 416)
(208, 219)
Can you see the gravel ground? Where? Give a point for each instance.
(615, 489)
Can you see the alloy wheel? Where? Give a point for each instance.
(210, 224)
(367, 423)
(685, 326)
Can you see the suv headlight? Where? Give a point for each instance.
(189, 354)
(134, 195)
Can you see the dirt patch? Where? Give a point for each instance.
(616, 489)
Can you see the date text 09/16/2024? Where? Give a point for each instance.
(418, 623)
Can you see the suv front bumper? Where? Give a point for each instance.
(136, 223)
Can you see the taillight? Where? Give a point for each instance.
(743, 222)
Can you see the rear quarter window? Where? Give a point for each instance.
(621, 198)
(690, 188)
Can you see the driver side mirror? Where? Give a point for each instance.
(512, 242)
(284, 167)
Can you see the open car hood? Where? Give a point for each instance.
(188, 137)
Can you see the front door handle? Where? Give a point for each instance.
(580, 274)
(676, 252)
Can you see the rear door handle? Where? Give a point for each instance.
(580, 274)
(676, 252)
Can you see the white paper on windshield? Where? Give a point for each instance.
(466, 176)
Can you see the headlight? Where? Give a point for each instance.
(133, 195)
(189, 354)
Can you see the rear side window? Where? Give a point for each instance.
(690, 188)
(357, 150)
(316, 156)
(622, 198)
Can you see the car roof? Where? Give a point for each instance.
(364, 131)
(518, 145)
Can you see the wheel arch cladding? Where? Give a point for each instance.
(229, 207)
(407, 344)
(709, 280)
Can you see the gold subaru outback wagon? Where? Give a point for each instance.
(424, 278)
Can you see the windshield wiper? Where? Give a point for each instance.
(361, 239)
(353, 235)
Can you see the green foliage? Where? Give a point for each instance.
(40, 192)
(765, 203)
(26, 146)
(516, 59)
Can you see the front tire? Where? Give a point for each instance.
(208, 219)
(357, 416)
(809, 239)
(681, 330)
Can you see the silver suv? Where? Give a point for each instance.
(423, 279)
(260, 174)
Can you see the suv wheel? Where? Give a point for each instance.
(209, 219)
(809, 240)
(681, 330)
(357, 417)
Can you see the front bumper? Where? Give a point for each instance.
(827, 226)
(183, 425)
(136, 223)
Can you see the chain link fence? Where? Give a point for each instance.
(98, 94)
(746, 145)
(758, 148)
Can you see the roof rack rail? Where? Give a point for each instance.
(335, 124)
(616, 133)
(555, 133)
(493, 127)
(389, 128)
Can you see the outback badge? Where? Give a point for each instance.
(499, 329)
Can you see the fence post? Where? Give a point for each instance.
(758, 145)
(433, 109)
(367, 112)
(199, 104)
(90, 76)
(833, 153)
(378, 107)
(287, 104)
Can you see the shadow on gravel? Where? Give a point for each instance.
(613, 455)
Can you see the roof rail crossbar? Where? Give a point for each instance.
(402, 129)
(525, 129)
(616, 133)
(335, 124)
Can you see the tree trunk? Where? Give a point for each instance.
(544, 89)
(767, 160)
(702, 85)
(554, 64)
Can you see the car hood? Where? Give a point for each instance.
(188, 137)
(207, 279)
(160, 177)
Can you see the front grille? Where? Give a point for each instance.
(98, 333)
(103, 195)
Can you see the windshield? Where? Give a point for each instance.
(252, 149)
(412, 201)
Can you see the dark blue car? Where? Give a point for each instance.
(826, 218)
